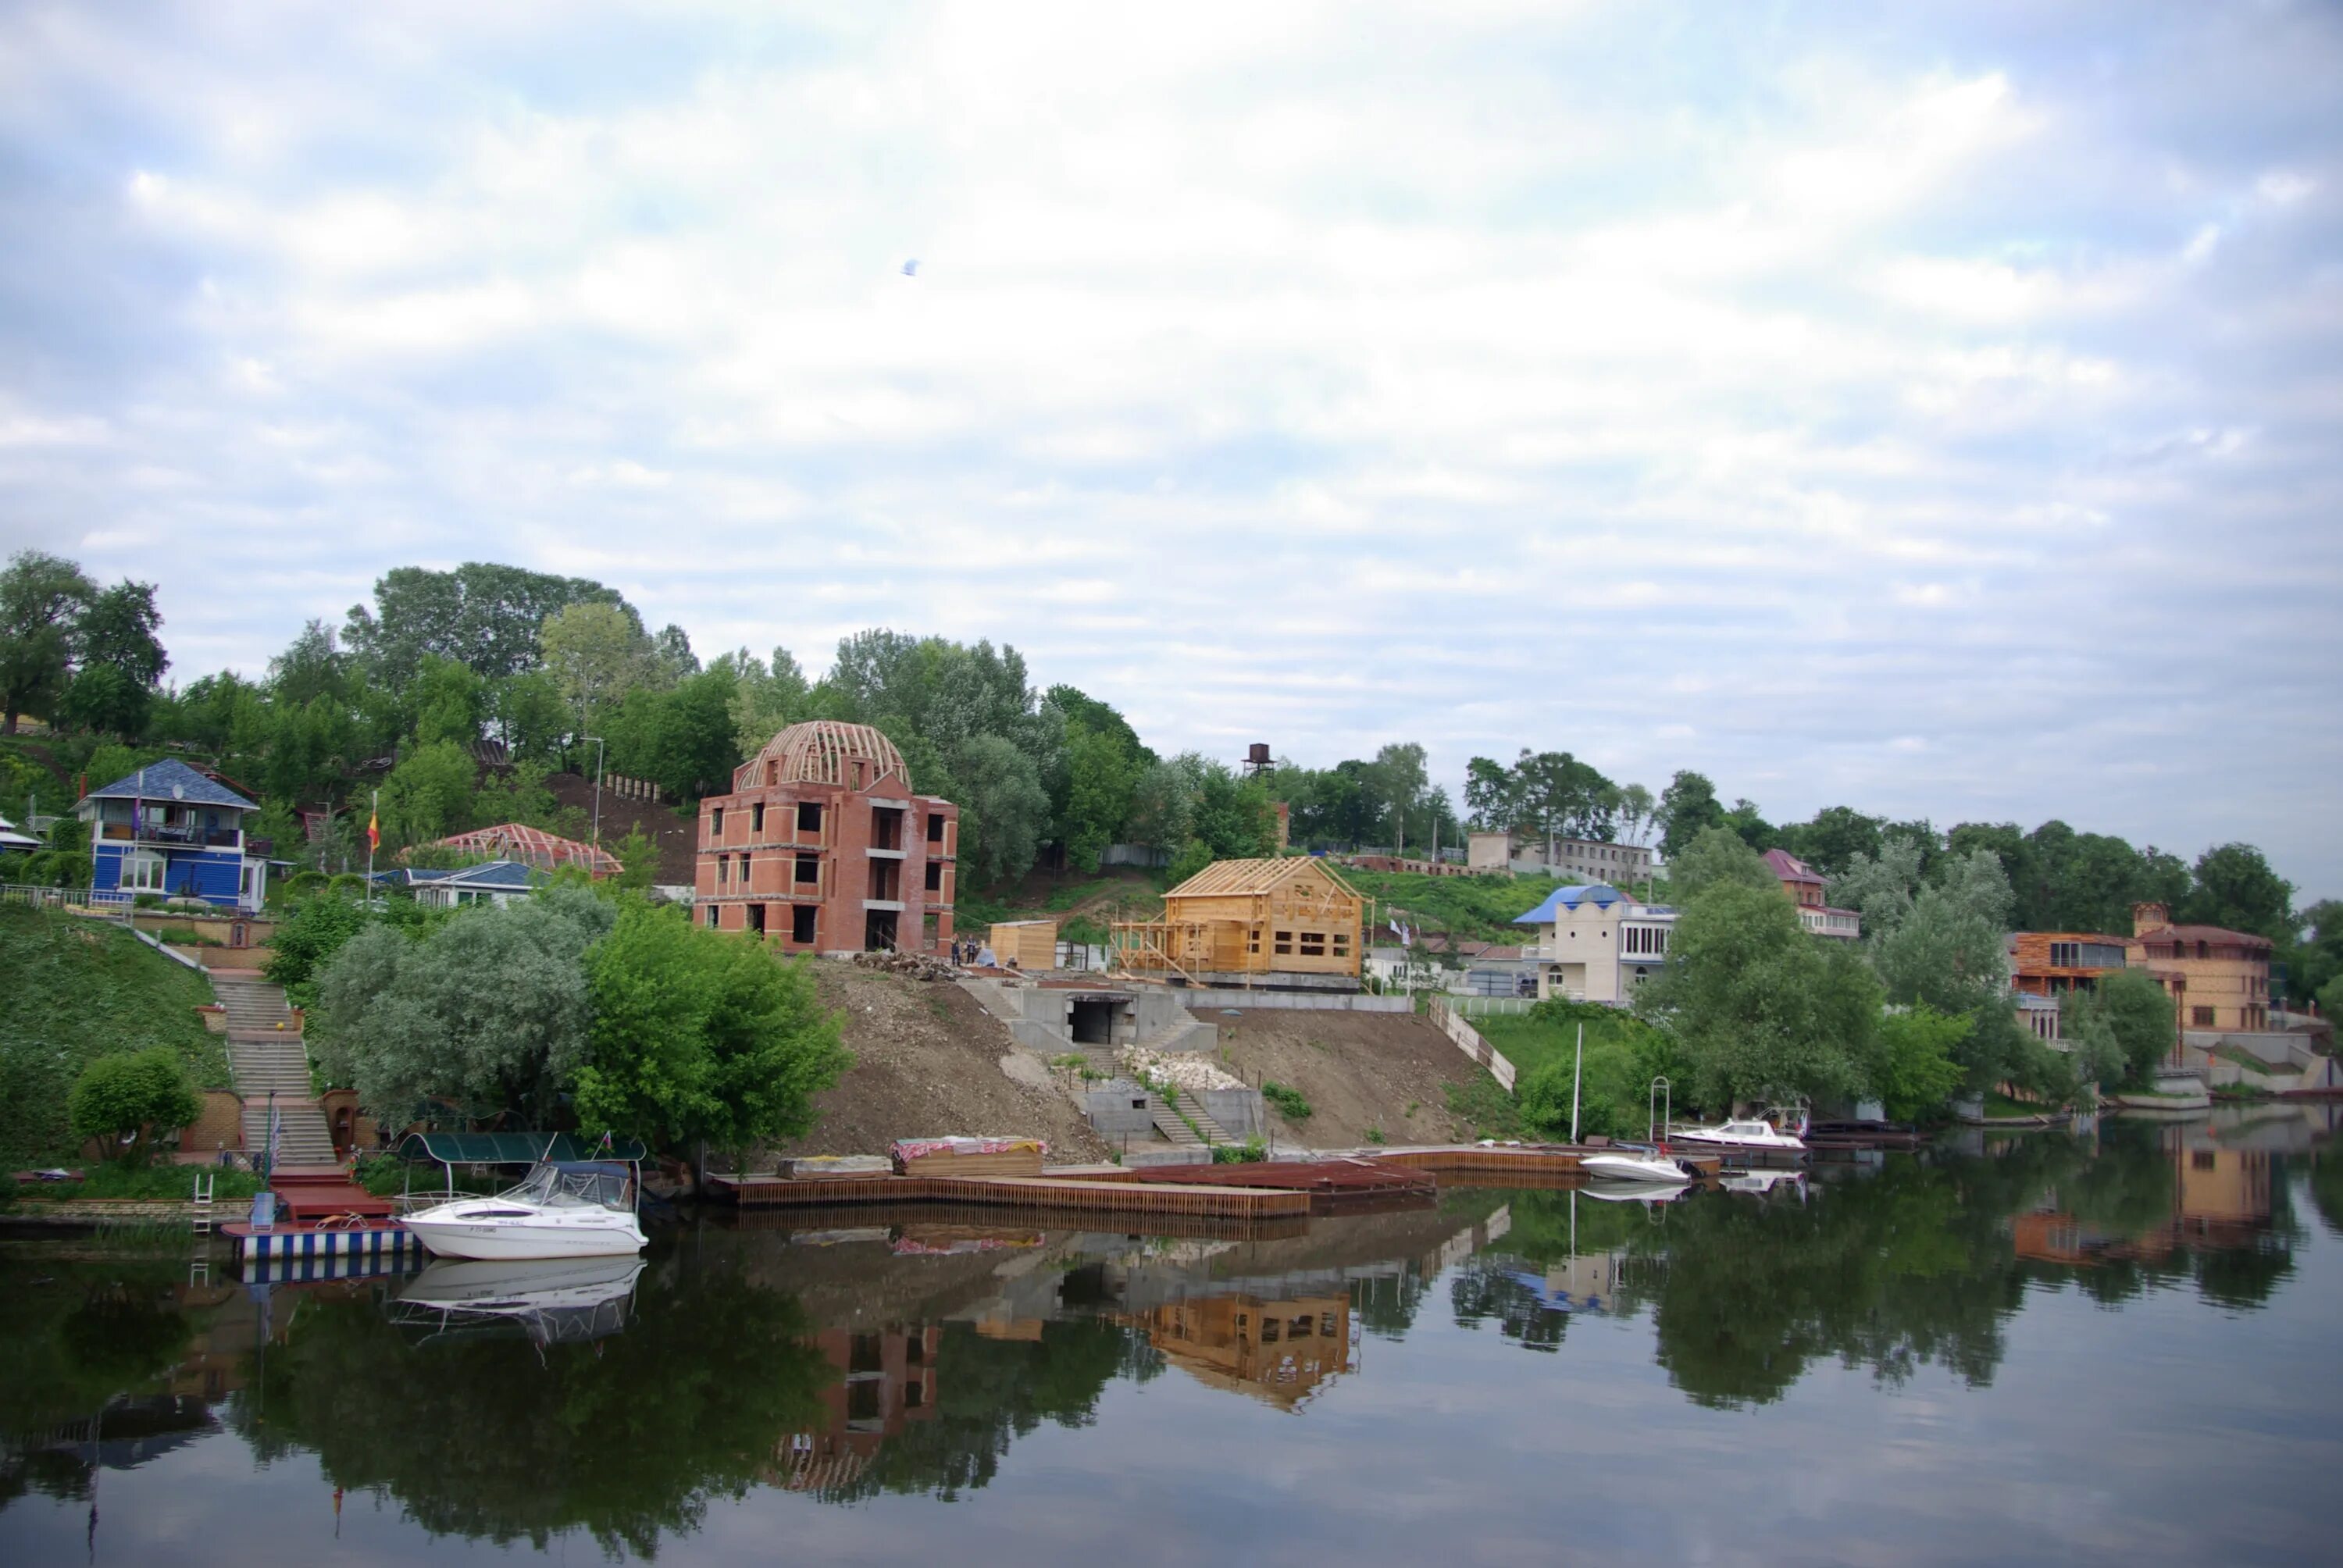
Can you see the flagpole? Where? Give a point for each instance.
(374, 815)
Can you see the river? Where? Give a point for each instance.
(2046, 1347)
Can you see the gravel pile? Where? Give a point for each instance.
(1181, 1069)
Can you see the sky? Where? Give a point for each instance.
(1930, 408)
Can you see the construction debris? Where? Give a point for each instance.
(917, 966)
(968, 1156)
(837, 1167)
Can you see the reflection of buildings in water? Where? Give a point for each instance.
(886, 1380)
(1588, 1284)
(1278, 1350)
(2220, 1199)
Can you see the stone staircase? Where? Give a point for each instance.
(1186, 1102)
(1169, 1124)
(269, 1063)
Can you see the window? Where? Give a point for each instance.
(711, 917)
(1313, 944)
(1285, 945)
(1342, 944)
(2204, 949)
(2204, 1160)
(2202, 1017)
(809, 869)
(935, 876)
(723, 870)
(801, 923)
(716, 823)
(755, 820)
(142, 873)
(886, 828)
(935, 827)
(755, 913)
(809, 816)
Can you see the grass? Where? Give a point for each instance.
(76, 989)
(1484, 1108)
(2247, 1059)
(147, 1181)
(1480, 908)
(1999, 1106)
(1290, 1101)
(1375, 1135)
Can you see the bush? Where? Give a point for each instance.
(1544, 1098)
(1290, 1101)
(126, 1100)
(1245, 1153)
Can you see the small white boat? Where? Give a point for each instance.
(581, 1209)
(1636, 1192)
(1615, 1165)
(1745, 1137)
(1761, 1181)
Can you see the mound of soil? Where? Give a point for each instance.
(677, 837)
(927, 1061)
(1357, 1070)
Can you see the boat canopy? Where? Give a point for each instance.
(515, 1147)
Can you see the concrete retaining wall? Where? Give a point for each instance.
(1240, 1112)
(1302, 1002)
(1111, 1114)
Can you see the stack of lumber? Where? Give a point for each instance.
(837, 1168)
(970, 1156)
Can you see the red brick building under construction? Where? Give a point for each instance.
(821, 846)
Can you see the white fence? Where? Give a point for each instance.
(1468, 1040)
(81, 901)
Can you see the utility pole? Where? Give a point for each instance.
(598, 786)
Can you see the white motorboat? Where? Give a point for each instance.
(1619, 1165)
(1741, 1136)
(566, 1209)
(1636, 1192)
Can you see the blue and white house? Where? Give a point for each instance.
(169, 829)
(1596, 943)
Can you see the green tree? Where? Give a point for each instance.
(638, 858)
(1718, 856)
(40, 597)
(1918, 1065)
(700, 1037)
(1687, 806)
(1761, 1010)
(1003, 807)
(1835, 836)
(130, 1099)
(697, 744)
(596, 654)
(1102, 777)
(767, 698)
(121, 660)
(450, 702)
(488, 1013)
(2128, 1014)
(428, 795)
(312, 933)
(484, 616)
(2235, 887)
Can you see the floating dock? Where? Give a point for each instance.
(1474, 1165)
(1055, 1195)
(303, 1239)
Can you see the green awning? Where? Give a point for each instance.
(514, 1148)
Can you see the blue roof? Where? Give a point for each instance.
(495, 874)
(172, 780)
(1602, 895)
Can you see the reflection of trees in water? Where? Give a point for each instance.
(625, 1437)
(991, 1391)
(1385, 1305)
(1912, 1266)
(2326, 1186)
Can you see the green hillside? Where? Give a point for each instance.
(1480, 908)
(72, 990)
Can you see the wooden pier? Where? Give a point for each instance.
(851, 1221)
(1039, 1194)
(1472, 1165)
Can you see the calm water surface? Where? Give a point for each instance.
(2047, 1348)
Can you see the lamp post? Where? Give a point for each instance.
(598, 786)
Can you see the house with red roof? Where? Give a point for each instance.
(1805, 886)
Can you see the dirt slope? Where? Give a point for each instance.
(677, 838)
(1357, 1070)
(927, 1062)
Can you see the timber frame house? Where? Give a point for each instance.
(1250, 922)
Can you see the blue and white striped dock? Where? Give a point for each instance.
(288, 1243)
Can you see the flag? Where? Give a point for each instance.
(373, 832)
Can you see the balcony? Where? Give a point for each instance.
(182, 838)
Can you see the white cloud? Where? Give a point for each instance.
(1524, 377)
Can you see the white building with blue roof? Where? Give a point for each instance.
(170, 830)
(1594, 943)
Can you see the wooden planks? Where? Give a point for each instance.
(1038, 1193)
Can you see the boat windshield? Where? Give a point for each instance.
(601, 1184)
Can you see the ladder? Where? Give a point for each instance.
(206, 1182)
